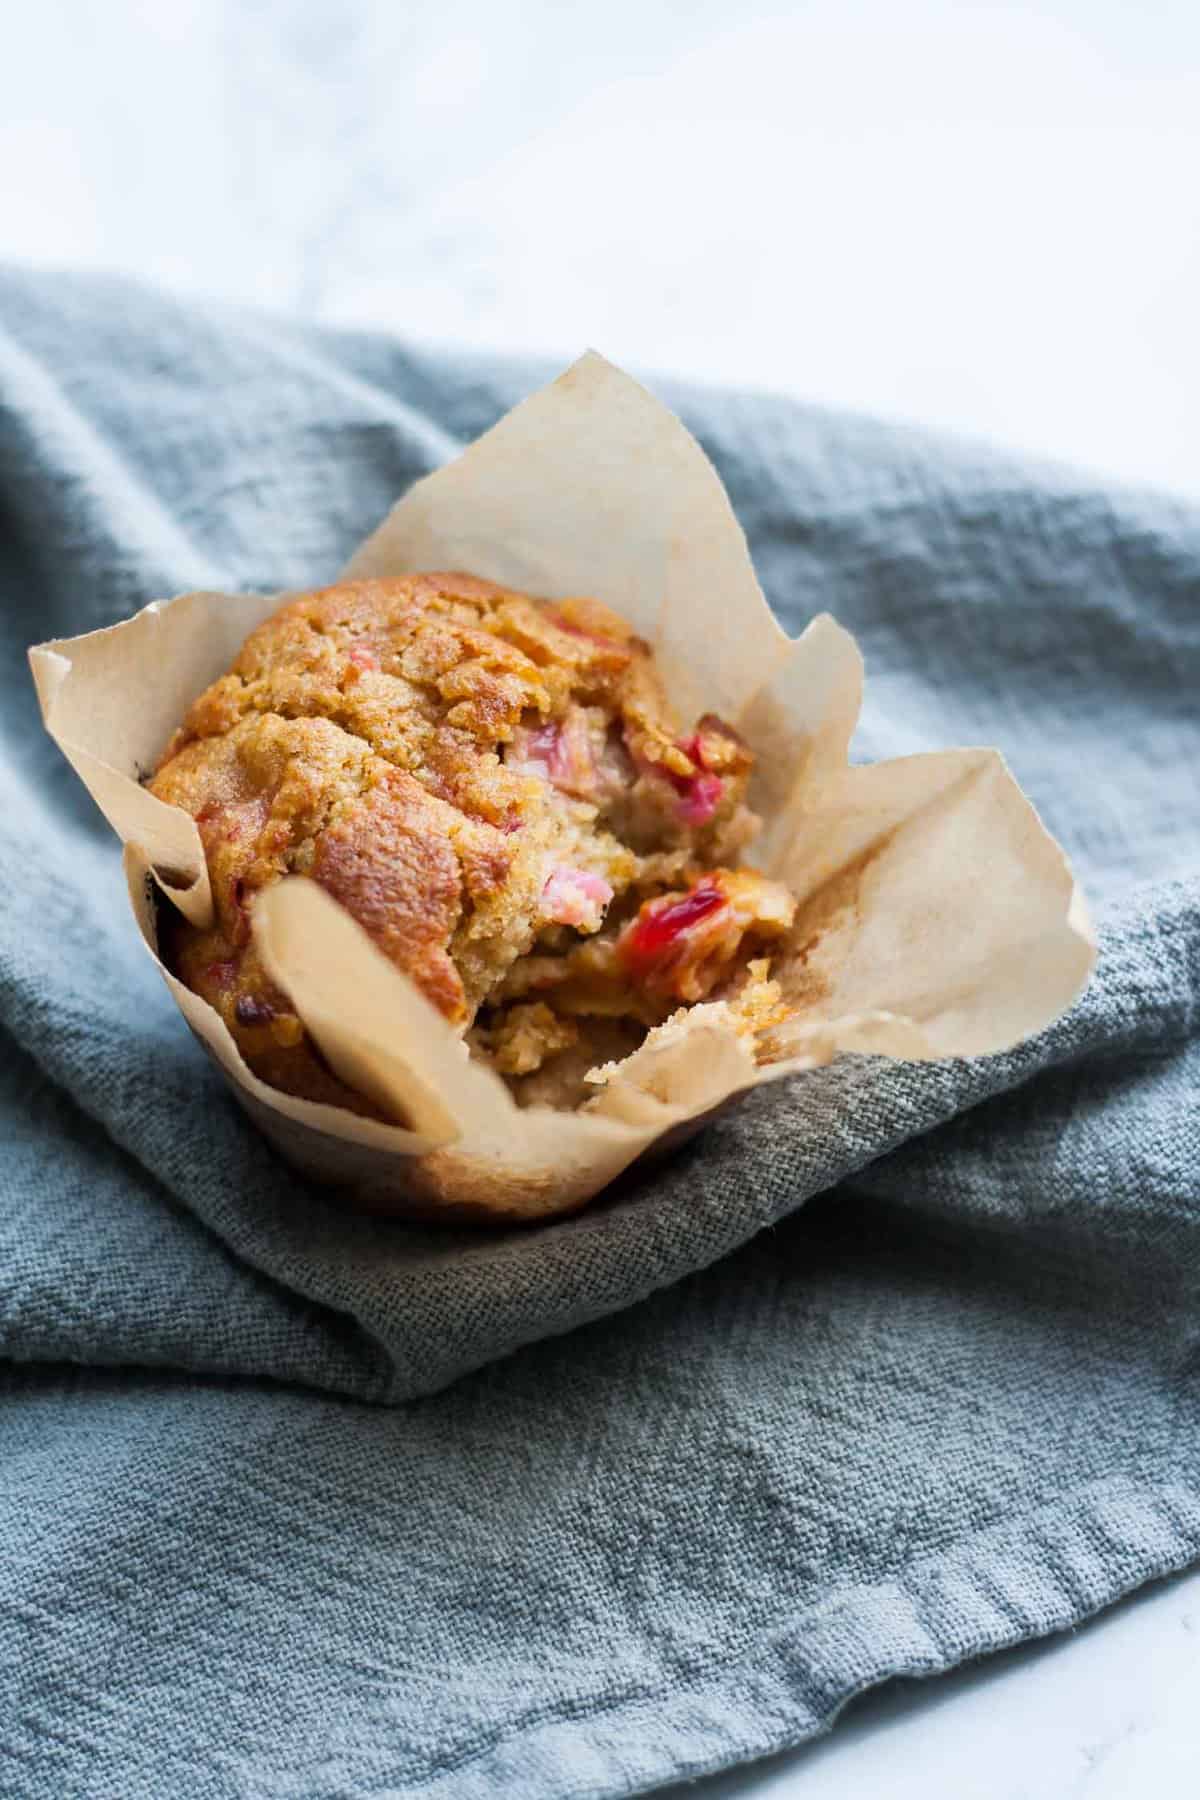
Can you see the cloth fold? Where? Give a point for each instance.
(890, 1366)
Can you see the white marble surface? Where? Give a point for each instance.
(984, 217)
(1108, 1712)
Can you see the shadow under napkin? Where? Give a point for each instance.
(950, 1405)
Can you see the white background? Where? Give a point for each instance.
(981, 217)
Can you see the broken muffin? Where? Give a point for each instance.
(496, 789)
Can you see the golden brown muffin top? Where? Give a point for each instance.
(471, 773)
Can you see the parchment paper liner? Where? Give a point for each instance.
(937, 916)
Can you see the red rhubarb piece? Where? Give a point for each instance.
(657, 935)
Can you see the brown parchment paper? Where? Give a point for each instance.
(937, 916)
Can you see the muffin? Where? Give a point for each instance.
(496, 789)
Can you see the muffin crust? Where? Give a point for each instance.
(496, 789)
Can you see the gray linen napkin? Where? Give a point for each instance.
(952, 1402)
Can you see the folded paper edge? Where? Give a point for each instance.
(440, 1153)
